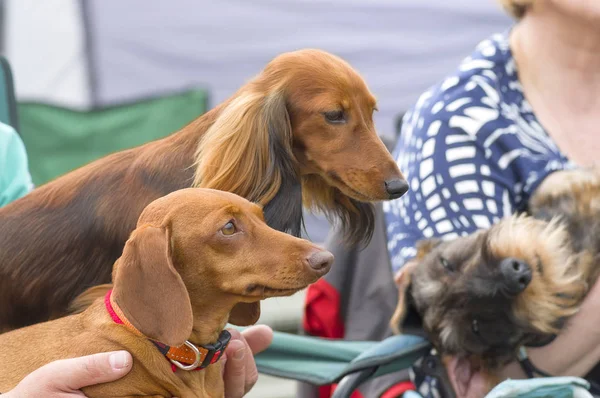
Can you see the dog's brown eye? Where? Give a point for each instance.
(446, 264)
(475, 326)
(228, 229)
(335, 116)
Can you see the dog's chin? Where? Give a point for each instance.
(262, 291)
(349, 190)
(538, 340)
(356, 195)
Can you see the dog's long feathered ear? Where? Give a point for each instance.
(150, 291)
(284, 211)
(248, 151)
(403, 282)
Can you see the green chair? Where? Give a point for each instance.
(8, 103)
(322, 361)
(60, 139)
(350, 363)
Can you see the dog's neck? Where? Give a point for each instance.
(207, 327)
(210, 318)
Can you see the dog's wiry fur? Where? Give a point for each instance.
(269, 143)
(557, 284)
(454, 285)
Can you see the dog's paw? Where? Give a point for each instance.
(567, 191)
(566, 182)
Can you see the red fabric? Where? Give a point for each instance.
(322, 311)
(397, 390)
(328, 390)
(394, 391)
(322, 318)
(325, 391)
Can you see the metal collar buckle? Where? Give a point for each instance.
(196, 362)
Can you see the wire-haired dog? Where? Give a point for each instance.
(484, 296)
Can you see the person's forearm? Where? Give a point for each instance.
(576, 350)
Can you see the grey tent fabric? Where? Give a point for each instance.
(400, 47)
(368, 297)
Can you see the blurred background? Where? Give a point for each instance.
(95, 76)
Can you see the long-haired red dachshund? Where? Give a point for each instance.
(301, 132)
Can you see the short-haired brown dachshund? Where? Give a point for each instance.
(301, 132)
(194, 255)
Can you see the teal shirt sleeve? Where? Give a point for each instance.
(15, 179)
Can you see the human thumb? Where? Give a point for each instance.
(75, 373)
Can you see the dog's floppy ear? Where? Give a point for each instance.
(245, 314)
(405, 313)
(284, 211)
(403, 282)
(150, 291)
(248, 151)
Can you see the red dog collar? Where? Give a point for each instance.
(186, 357)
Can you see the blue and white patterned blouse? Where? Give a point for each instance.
(472, 150)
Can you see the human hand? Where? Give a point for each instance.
(65, 378)
(239, 370)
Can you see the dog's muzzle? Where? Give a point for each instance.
(516, 275)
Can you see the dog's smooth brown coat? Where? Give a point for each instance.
(195, 254)
(301, 132)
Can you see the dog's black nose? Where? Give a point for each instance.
(320, 260)
(516, 274)
(396, 188)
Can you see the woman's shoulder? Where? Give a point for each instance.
(475, 92)
(11, 144)
(9, 139)
(15, 179)
(6, 132)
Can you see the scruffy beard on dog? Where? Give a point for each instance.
(481, 297)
